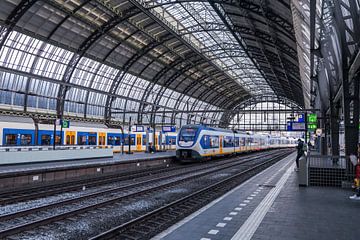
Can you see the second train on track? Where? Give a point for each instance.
(197, 142)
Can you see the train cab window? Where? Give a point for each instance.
(82, 140)
(45, 139)
(92, 140)
(25, 139)
(187, 134)
(10, 139)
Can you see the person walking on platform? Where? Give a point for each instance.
(356, 161)
(300, 152)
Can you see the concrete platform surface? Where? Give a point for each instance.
(118, 157)
(272, 206)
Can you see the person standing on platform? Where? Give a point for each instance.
(300, 152)
(356, 161)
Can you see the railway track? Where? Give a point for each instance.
(152, 223)
(39, 216)
(30, 193)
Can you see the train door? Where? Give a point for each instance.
(70, 138)
(102, 137)
(156, 141)
(138, 142)
(221, 144)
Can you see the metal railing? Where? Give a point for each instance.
(326, 170)
(50, 148)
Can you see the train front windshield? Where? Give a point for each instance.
(188, 134)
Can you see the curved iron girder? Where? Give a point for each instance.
(259, 40)
(133, 84)
(178, 73)
(169, 81)
(155, 80)
(13, 18)
(179, 100)
(37, 58)
(113, 49)
(97, 34)
(139, 54)
(164, 70)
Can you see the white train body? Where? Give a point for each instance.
(197, 142)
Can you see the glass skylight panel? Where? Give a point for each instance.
(193, 19)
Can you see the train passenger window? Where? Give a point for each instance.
(57, 140)
(173, 141)
(237, 142)
(132, 140)
(144, 140)
(242, 141)
(25, 139)
(92, 140)
(82, 140)
(10, 139)
(214, 141)
(45, 139)
(228, 141)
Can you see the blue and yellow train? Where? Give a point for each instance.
(195, 142)
(24, 134)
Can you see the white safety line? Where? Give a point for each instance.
(213, 232)
(249, 227)
(221, 224)
(227, 218)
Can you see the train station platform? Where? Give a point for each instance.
(19, 175)
(118, 157)
(271, 205)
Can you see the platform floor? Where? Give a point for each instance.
(272, 206)
(118, 157)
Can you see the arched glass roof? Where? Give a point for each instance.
(154, 61)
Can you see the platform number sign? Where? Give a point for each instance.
(312, 118)
(65, 123)
(311, 121)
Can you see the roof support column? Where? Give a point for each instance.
(351, 113)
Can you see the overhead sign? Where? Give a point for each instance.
(312, 118)
(168, 129)
(299, 118)
(65, 123)
(296, 126)
(311, 127)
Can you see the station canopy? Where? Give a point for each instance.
(152, 60)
